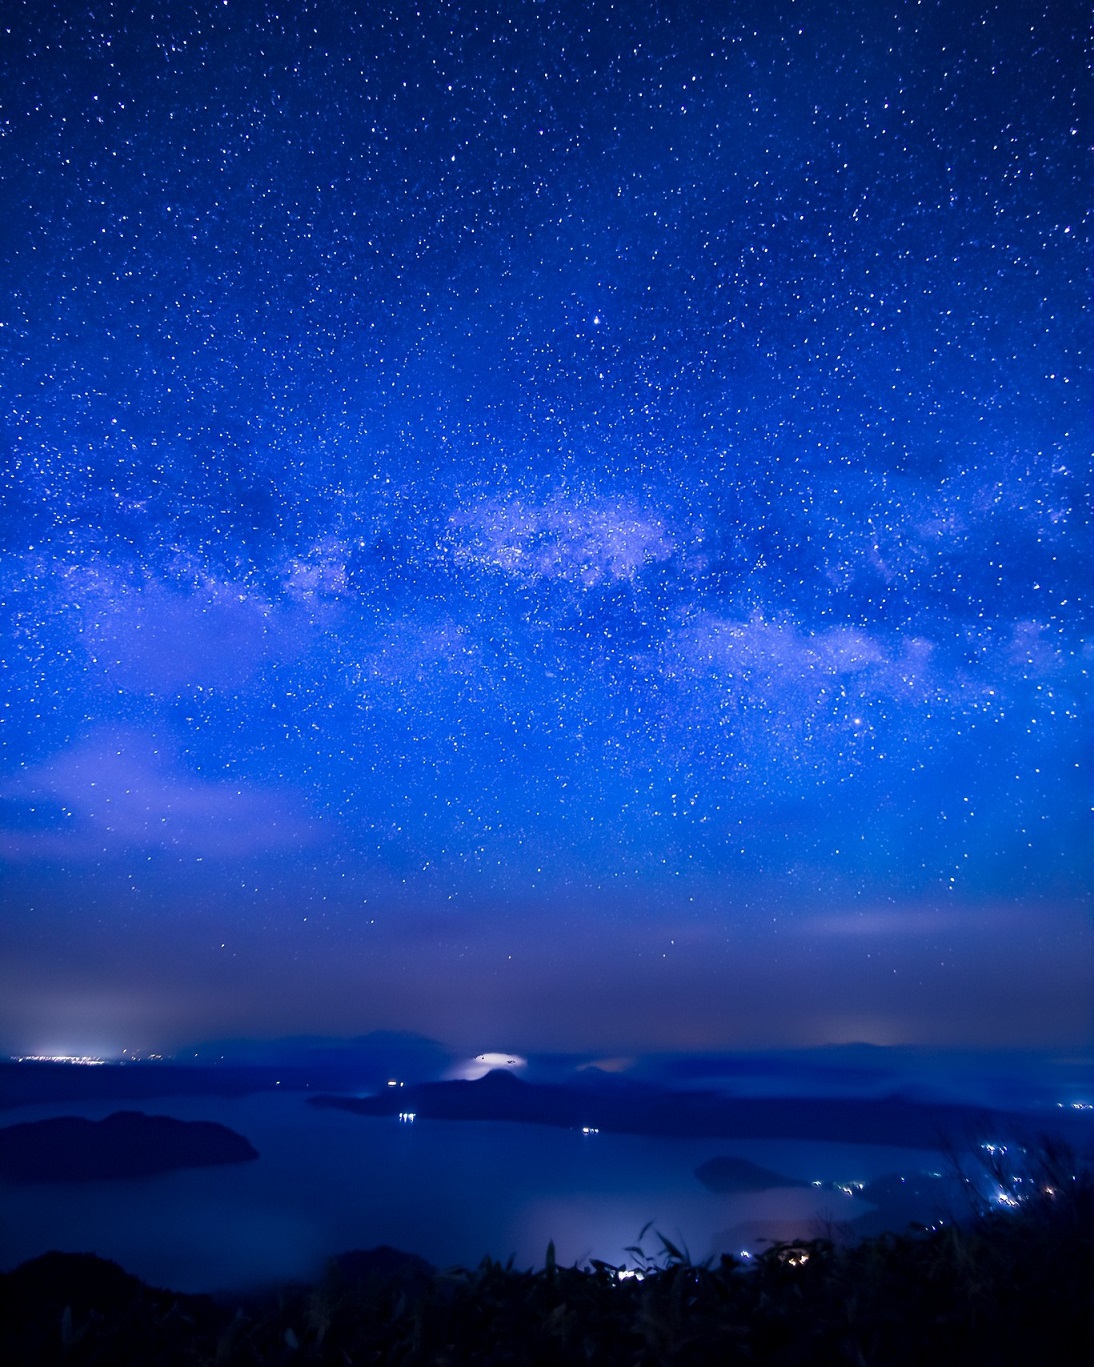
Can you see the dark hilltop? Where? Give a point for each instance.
(124, 1145)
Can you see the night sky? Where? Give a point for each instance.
(552, 525)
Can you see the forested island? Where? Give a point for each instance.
(126, 1144)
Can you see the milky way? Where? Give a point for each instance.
(551, 525)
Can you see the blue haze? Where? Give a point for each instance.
(558, 526)
(454, 1192)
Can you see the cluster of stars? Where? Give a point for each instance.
(457, 453)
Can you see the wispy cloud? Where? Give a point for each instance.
(117, 791)
(915, 922)
(773, 653)
(155, 637)
(318, 572)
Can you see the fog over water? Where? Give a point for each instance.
(327, 1181)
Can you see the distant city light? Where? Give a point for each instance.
(407, 1117)
(84, 1060)
(589, 1129)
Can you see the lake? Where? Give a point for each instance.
(453, 1191)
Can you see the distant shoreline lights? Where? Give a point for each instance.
(84, 1060)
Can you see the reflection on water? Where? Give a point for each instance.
(454, 1191)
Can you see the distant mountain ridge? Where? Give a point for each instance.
(228, 1068)
(652, 1110)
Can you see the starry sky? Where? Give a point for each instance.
(553, 525)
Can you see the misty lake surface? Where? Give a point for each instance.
(453, 1191)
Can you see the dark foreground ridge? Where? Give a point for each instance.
(1008, 1289)
(125, 1144)
(653, 1110)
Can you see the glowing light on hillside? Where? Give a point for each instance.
(470, 1070)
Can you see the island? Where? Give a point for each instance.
(653, 1110)
(727, 1176)
(126, 1144)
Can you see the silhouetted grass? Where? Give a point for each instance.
(1009, 1286)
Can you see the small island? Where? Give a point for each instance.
(728, 1176)
(893, 1201)
(126, 1144)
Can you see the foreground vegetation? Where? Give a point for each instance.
(1007, 1286)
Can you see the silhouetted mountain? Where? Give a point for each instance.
(1029, 1080)
(659, 1111)
(230, 1068)
(63, 1307)
(125, 1144)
